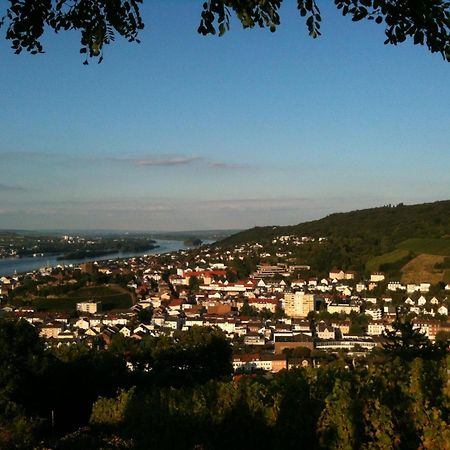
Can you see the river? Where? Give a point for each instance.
(27, 264)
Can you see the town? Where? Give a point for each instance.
(276, 317)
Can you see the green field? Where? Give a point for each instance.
(429, 246)
(374, 264)
(112, 297)
(423, 269)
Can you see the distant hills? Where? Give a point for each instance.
(170, 235)
(384, 238)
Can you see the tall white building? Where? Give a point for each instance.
(298, 304)
(89, 307)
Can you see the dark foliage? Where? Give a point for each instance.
(354, 237)
(98, 21)
(406, 342)
(426, 22)
(187, 400)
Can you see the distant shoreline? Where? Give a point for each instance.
(13, 264)
(78, 254)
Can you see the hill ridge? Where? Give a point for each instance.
(356, 237)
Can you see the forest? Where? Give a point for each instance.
(391, 235)
(179, 393)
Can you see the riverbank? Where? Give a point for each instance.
(9, 266)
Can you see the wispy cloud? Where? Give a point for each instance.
(255, 204)
(140, 160)
(172, 160)
(179, 160)
(143, 160)
(168, 160)
(163, 160)
(227, 165)
(11, 188)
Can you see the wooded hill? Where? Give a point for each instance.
(384, 238)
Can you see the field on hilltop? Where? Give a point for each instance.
(423, 269)
(112, 297)
(429, 246)
(415, 259)
(389, 261)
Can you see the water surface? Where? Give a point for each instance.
(8, 266)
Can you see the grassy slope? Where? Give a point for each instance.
(423, 254)
(422, 269)
(375, 264)
(429, 246)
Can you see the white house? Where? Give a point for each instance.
(375, 313)
(82, 323)
(434, 301)
(125, 331)
(410, 288)
(396, 286)
(325, 332)
(377, 277)
(376, 328)
(421, 300)
(360, 287)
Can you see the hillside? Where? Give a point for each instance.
(384, 238)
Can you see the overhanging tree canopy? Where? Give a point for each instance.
(426, 22)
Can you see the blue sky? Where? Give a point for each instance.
(189, 132)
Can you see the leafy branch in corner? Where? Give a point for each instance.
(426, 22)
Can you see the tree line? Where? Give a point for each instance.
(179, 393)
